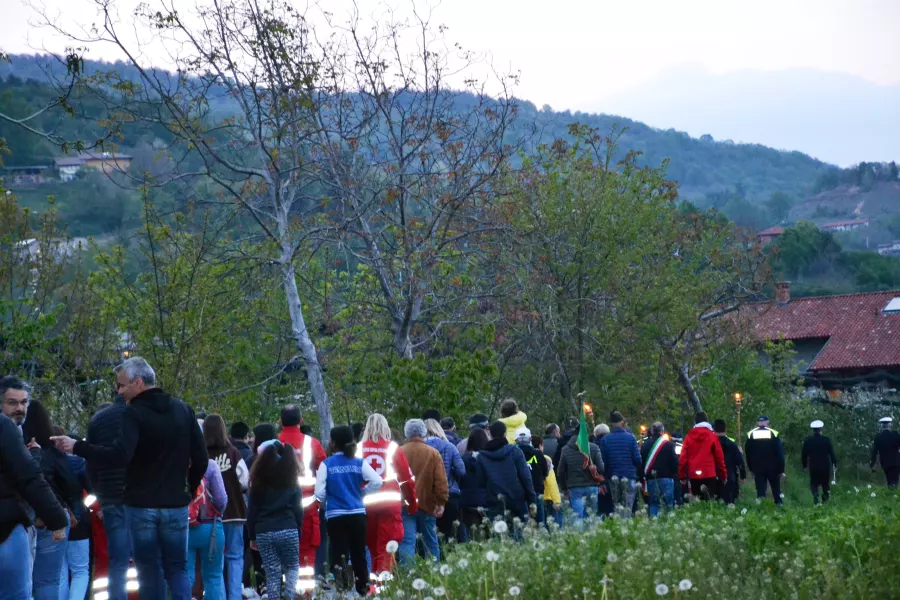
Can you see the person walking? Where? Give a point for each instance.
(240, 439)
(162, 448)
(819, 460)
(572, 429)
(660, 465)
(432, 492)
(310, 455)
(384, 509)
(449, 427)
(50, 553)
(262, 433)
(734, 463)
(448, 523)
(275, 515)
(236, 478)
(552, 496)
(551, 439)
(537, 466)
(206, 535)
(503, 473)
(575, 475)
(472, 495)
(21, 480)
(512, 417)
(886, 449)
(702, 461)
(622, 460)
(478, 421)
(765, 459)
(341, 482)
(77, 560)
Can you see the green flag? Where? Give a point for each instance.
(583, 443)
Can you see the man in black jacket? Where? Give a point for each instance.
(887, 449)
(819, 459)
(734, 463)
(240, 437)
(21, 480)
(162, 448)
(570, 432)
(537, 464)
(108, 483)
(660, 469)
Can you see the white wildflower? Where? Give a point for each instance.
(492, 556)
(439, 591)
(392, 547)
(873, 494)
(743, 511)
(385, 576)
(611, 557)
(606, 580)
(662, 589)
(501, 527)
(869, 487)
(833, 482)
(446, 570)
(419, 584)
(685, 584)
(515, 590)
(463, 563)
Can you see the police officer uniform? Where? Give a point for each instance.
(819, 459)
(887, 449)
(765, 458)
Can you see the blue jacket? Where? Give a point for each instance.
(339, 484)
(503, 473)
(471, 495)
(453, 463)
(620, 453)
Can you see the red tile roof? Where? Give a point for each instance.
(777, 230)
(858, 333)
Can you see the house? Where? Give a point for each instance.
(25, 175)
(767, 236)
(841, 341)
(845, 225)
(891, 249)
(104, 161)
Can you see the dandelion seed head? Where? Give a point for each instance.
(501, 527)
(492, 556)
(392, 546)
(446, 570)
(873, 494)
(685, 584)
(515, 590)
(419, 584)
(439, 591)
(463, 563)
(662, 589)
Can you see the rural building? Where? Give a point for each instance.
(841, 341)
(891, 249)
(767, 236)
(25, 176)
(107, 162)
(845, 225)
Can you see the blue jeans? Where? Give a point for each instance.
(118, 545)
(77, 561)
(234, 560)
(48, 561)
(660, 490)
(160, 537)
(419, 523)
(212, 558)
(583, 501)
(15, 554)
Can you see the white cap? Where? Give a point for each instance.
(523, 433)
(885, 420)
(817, 424)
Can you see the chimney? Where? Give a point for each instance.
(783, 292)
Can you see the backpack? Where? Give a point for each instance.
(201, 509)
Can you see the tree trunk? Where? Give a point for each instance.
(306, 347)
(684, 378)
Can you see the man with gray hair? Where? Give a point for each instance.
(161, 446)
(432, 492)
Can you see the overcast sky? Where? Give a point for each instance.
(593, 55)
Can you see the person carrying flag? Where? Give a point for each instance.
(579, 471)
(660, 469)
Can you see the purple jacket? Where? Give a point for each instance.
(453, 462)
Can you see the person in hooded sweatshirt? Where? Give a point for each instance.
(702, 462)
(819, 459)
(503, 473)
(512, 417)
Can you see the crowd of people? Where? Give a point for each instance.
(179, 493)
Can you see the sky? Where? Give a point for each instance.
(619, 56)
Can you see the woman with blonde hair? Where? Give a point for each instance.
(456, 470)
(384, 507)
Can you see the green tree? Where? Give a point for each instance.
(779, 205)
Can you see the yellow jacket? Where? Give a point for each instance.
(512, 423)
(551, 488)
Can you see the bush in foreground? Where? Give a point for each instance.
(847, 549)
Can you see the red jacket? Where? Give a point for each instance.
(399, 486)
(701, 455)
(310, 464)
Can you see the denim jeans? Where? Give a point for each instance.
(160, 538)
(234, 560)
(76, 561)
(658, 491)
(419, 523)
(583, 501)
(15, 555)
(48, 561)
(118, 546)
(212, 558)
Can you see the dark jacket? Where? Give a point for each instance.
(537, 465)
(162, 447)
(551, 445)
(108, 482)
(82, 530)
(887, 449)
(63, 482)
(21, 481)
(621, 457)
(229, 460)
(563, 441)
(245, 450)
(572, 471)
(763, 451)
(734, 459)
(275, 510)
(818, 454)
(471, 494)
(453, 438)
(503, 473)
(666, 464)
